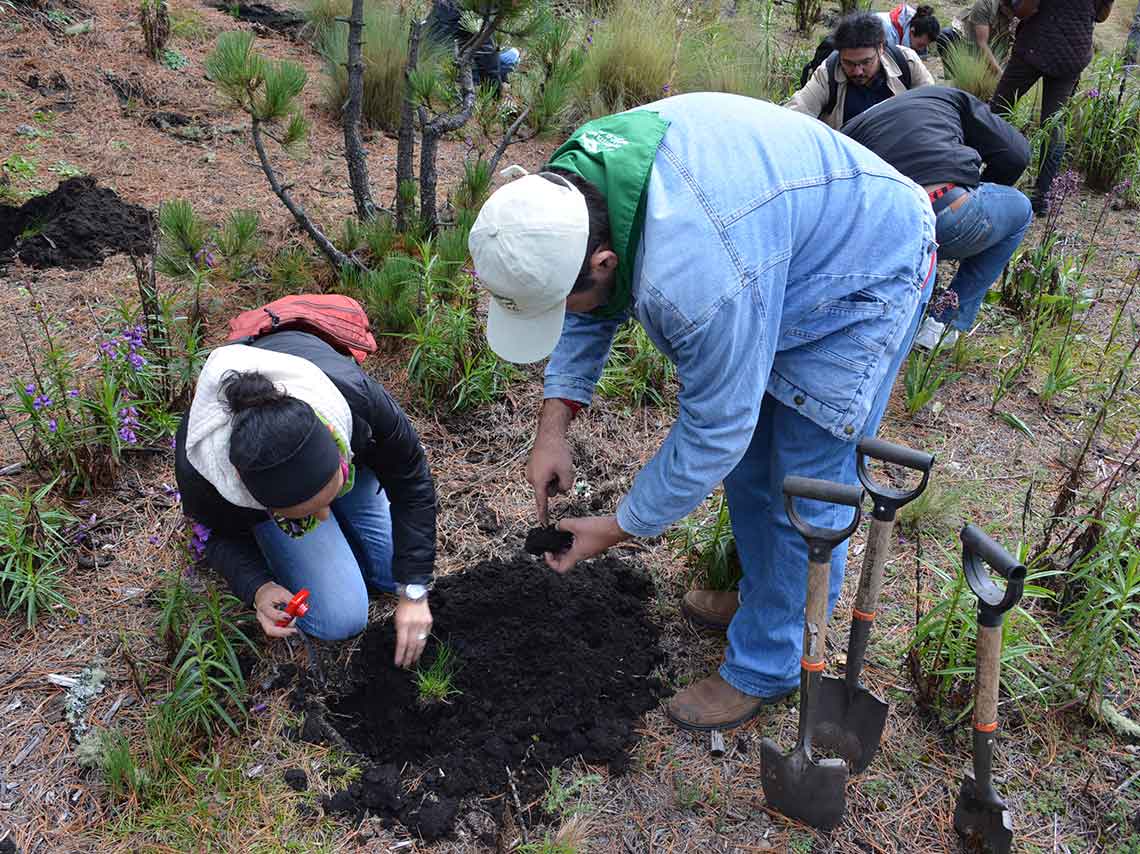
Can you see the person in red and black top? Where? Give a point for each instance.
(1052, 45)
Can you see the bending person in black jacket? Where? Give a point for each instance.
(290, 455)
(940, 138)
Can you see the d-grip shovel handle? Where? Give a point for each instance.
(820, 542)
(887, 499)
(979, 550)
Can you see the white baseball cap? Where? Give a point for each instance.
(528, 244)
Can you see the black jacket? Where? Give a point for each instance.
(382, 439)
(935, 134)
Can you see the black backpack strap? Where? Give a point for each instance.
(901, 61)
(832, 85)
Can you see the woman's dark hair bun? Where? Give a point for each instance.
(924, 12)
(249, 389)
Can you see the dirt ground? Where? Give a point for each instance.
(95, 103)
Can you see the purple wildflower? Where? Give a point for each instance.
(173, 443)
(110, 348)
(665, 88)
(199, 534)
(73, 392)
(1094, 92)
(53, 425)
(1122, 188)
(1063, 186)
(128, 435)
(42, 401)
(205, 257)
(259, 708)
(30, 388)
(589, 39)
(152, 539)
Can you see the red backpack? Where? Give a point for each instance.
(337, 320)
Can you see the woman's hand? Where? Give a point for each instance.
(413, 625)
(592, 536)
(269, 602)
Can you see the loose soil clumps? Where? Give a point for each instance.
(76, 226)
(549, 667)
(284, 21)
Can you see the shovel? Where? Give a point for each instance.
(795, 783)
(850, 719)
(980, 815)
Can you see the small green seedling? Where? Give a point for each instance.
(436, 683)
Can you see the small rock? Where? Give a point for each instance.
(26, 130)
(296, 779)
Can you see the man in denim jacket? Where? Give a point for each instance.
(782, 268)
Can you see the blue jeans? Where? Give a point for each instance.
(508, 60)
(982, 234)
(338, 561)
(765, 637)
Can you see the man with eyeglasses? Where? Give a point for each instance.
(861, 72)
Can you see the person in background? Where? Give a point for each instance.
(492, 64)
(786, 290)
(287, 461)
(860, 73)
(985, 25)
(910, 27)
(967, 159)
(1052, 45)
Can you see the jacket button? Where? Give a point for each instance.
(799, 399)
(848, 429)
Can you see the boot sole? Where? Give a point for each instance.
(764, 702)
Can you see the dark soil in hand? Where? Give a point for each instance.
(549, 667)
(539, 541)
(75, 227)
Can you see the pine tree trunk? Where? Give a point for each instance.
(406, 140)
(354, 152)
(807, 13)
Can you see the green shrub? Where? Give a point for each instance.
(450, 360)
(182, 239)
(34, 551)
(636, 371)
(1104, 127)
(436, 683)
(385, 53)
(290, 269)
(704, 539)
(390, 293)
(968, 70)
(629, 58)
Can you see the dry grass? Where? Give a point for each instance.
(1060, 774)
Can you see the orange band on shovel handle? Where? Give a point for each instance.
(863, 615)
(812, 666)
(991, 727)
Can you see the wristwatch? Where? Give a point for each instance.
(412, 592)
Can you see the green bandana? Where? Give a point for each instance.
(615, 154)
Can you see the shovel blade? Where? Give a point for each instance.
(984, 825)
(849, 723)
(814, 792)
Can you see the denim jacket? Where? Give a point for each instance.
(777, 256)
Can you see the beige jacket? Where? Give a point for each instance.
(811, 99)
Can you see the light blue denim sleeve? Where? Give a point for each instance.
(723, 365)
(577, 362)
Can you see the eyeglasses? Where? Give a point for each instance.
(855, 65)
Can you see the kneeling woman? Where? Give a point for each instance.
(308, 474)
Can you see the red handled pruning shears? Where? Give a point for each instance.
(298, 607)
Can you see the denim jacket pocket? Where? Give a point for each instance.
(845, 330)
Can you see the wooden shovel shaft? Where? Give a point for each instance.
(874, 559)
(986, 677)
(815, 615)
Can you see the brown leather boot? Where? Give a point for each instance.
(713, 609)
(712, 704)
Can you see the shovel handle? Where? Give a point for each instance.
(987, 674)
(821, 541)
(980, 551)
(888, 499)
(867, 597)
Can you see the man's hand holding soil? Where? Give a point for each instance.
(550, 469)
(592, 536)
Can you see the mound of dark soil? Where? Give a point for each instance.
(549, 667)
(282, 21)
(75, 227)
